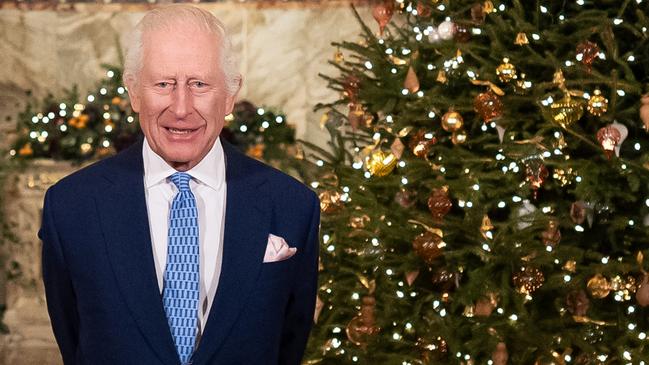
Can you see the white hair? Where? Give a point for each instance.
(165, 18)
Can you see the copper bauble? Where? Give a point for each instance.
(362, 328)
(500, 356)
(597, 104)
(380, 163)
(421, 143)
(478, 14)
(587, 52)
(423, 10)
(411, 82)
(506, 71)
(428, 246)
(577, 303)
(566, 111)
(439, 203)
(528, 279)
(488, 105)
(351, 85)
(462, 32)
(609, 137)
(484, 306)
(642, 294)
(382, 13)
(578, 212)
(330, 201)
(445, 280)
(356, 115)
(598, 286)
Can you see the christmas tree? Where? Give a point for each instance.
(485, 192)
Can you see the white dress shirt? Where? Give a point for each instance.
(209, 188)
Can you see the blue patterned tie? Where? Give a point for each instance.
(181, 276)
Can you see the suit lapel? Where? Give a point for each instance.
(247, 225)
(124, 220)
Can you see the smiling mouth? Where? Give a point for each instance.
(181, 131)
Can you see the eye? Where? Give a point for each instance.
(199, 84)
(164, 84)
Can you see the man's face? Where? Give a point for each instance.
(180, 95)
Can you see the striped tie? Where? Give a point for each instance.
(181, 275)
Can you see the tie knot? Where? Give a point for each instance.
(181, 180)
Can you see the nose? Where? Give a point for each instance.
(182, 101)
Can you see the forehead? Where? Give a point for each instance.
(178, 50)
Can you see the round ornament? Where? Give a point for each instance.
(405, 198)
(445, 280)
(423, 10)
(528, 279)
(350, 87)
(506, 71)
(462, 33)
(488, 105)
(459, 137)
(597, 104)
(421, 143)
(452, 121)
(446, 30)
(598, 286)
(577, 303)
(552, 235)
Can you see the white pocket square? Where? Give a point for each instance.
(277, 249)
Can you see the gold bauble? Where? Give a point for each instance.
(598, 286)
(597, 104)
(459, 137)
(452, 121)
(528, 279)
(566, 111)
(381, 164)
(506, 71)
(330, 201)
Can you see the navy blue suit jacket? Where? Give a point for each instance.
(100, 279)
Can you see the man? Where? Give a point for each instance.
(180, 250)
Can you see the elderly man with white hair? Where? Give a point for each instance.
(180, 250)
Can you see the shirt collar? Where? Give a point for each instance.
(209, 171)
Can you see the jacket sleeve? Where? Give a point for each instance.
(301, 306)
(59, 291)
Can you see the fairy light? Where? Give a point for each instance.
(368, 65)
(46, 120)
(605, 260)
(110, 73)
(375, 242)
(430, 67)
(400, 294)
(389, 272)
(103, 91)
(393, 70)
(243, 128)
(389, 51)
(120, 90)
(265, 124)
(579, 228)
(63, 127)
(501, 204)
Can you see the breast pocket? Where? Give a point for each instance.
(280, 271)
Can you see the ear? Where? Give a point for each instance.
(231, 99)
(133, 92)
